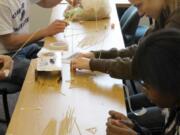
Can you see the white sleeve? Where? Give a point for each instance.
(6, 25)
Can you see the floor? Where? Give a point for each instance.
(12, 99)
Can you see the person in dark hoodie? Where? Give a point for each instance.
(156, 66)
(117, 63)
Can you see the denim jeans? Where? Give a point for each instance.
(21, 63)
(29, 52)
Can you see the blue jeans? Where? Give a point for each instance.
(29, 51)
(21, 63)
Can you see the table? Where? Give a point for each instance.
(43, 105)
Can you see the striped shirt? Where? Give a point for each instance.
(172, 126)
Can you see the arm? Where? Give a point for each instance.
(52, 3)
(119, 124)
(114, 53)
(116, 68)
(14, 41)
(174, 20)
(48, 3)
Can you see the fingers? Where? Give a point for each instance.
(56, 27)
(61, 22)
(121, 119)
(88, 55)
(119, 130)
(6, 66)
(2, 75)
(72, 2)
(1, 60)
(1, 64)
(110, 133)
(115, 129)
(128, 123)
(6, 62)
(80, 63)
(116, 123)
(73, 64)
(117, 115)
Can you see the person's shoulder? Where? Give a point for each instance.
(175, 14)
(176, 11)
(174, 19)
(4, 3)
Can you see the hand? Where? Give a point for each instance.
(120, 129)
(80, 63)
(56, 27)
(120, 118)
(73, 2)
(6, 64)
(89, 55)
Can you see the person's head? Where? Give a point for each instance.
(152, 8)
(156, 64)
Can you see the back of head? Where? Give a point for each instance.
(157, 61)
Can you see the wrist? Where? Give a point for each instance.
(43, 33)
(91, 55)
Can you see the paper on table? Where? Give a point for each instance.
(60, 45)
(49, 62)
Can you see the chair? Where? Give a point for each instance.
(129, 24)
(132, 32)
(141, 30)
(129, 21)
(5, 89)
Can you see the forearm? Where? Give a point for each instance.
(15, 41)
(114, 53)
(116, 68)
(48, 3)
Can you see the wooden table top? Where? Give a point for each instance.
(43, 104)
